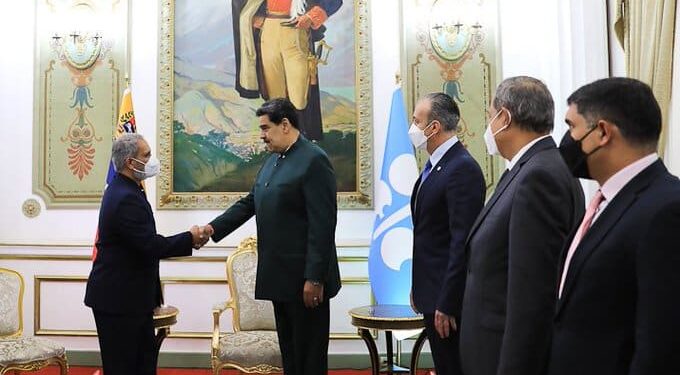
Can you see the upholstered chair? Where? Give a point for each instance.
(18, 353)
(253, 346)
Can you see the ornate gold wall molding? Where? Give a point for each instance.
(190, 259)
(38, 280)
(452, 46)
(80, 68)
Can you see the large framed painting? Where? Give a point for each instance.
(452, 46)
(80, 72)
(220, 59)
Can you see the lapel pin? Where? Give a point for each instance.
(439, 168)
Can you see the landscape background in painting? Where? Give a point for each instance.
(216, 144)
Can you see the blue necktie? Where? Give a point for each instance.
(426, 171)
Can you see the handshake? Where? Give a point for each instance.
(201, 235)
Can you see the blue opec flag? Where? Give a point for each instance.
(391, 253)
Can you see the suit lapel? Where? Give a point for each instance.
(505, 182)
(613, 212)
(418, 190)
(611, 215)
(414, 198)
(565, 248)
(500, 188)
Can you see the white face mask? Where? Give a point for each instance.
(490, 138)
(151, 168)
(418, 137)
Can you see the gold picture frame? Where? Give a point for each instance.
(359, 195)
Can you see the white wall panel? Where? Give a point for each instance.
(193, 287)
(195, 300)
(60, 307)
(351, 295)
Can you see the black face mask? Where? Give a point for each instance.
(573, 154)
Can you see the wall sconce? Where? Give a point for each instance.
(78, 49)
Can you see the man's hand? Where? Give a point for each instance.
(258, 21)
(208, 230)
(201, 235)
(444, 324)
(413, 305)
(196, 237)
(312, 294)
(303, 22)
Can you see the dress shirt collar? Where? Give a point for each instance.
(439, 152)
(615, 183)
(523, 151)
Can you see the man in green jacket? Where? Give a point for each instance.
(294, 201)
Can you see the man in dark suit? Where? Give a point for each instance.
(618, 306)
(124, 286)
(514, 245)
(446, 200)
(294, 201)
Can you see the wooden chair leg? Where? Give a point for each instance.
(63, 365)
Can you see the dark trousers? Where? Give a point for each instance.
(127, 343)
(303, 337)
(445, 353)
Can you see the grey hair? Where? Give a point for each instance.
(125, 147)
(529, 102)
(443, 109)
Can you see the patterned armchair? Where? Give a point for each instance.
(253, 347)
(19, 353)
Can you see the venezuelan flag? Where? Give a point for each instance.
(126, 124)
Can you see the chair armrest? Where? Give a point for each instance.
(221, 306)
(217, 311)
